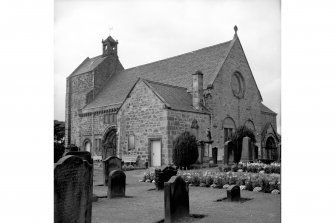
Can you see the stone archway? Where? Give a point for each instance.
(87, 145)
(109, 143)
(271, 151)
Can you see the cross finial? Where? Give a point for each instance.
(110, 30)
(235, 28)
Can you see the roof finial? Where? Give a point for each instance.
(235, 28)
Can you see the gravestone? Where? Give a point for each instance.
(176, 199)
(162, 176)
(73, 189)
(201, 152)
(215, 155)
(233, 193)
(246, 149)
(228, 156)
(116, 184)
(109, 164)
(85, 155)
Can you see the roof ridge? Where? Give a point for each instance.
(177, 55)
(160, 83)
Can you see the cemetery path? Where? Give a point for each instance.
(144, 204)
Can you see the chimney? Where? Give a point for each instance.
(197, 89)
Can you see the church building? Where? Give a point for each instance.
(139, 111)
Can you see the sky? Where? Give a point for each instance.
(149, 30)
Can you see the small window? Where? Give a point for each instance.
(228, 133)
(109, 118)
(131, 142)
(106, 119)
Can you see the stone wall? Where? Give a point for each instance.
(180, 121)
(142, 115)
(222, 102)
(269, 117)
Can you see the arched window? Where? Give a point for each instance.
(87, 145)
(250, 125)
(228, 126)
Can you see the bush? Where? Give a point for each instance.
(185, 150)
(237, 138)
(58, 151)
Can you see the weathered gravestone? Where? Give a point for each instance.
(228, 156)
(85, 155)
(176, 199)
(164, 175)
(116, 184)
(233, 193)
(109, 164)
(246, 149)
(73, 187)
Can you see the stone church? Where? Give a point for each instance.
(139, 111)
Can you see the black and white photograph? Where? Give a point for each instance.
(151, 111)
(168, 110)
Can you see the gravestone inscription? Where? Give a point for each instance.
(73, 187)
(176, 199)
(116, 184)
(109, 164)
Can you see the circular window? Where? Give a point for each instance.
(237, 85)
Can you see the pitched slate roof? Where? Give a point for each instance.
(88, 64)
(266, 109)
(175, 71)
(174, 97)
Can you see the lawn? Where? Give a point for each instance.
(144, 204)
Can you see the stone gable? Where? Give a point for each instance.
(143, 116)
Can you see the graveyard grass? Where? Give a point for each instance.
(144, 204)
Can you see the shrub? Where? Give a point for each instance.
(185, 150)
(237, 138)
(58, 151)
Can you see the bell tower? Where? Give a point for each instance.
(109, 46)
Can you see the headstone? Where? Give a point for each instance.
(73, 190)
(215, 155)
(201, 152)
(162, 176)
(116, 184)
(209, 147)
(85, 155)
(255, 151)
(279, 153)
(246, 149)
(109, 164)
(220, 154)
(228, 156)
(233, 193)
(176, 199)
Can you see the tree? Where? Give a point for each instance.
(185, 150)
(237, 139)
(59, 133)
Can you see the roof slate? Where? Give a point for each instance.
(266, 109)
(175, 71)
(88, 65)
(176, 98)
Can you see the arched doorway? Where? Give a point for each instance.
(87, 145)
(271, 151)
(228, 126)
(109, 143)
